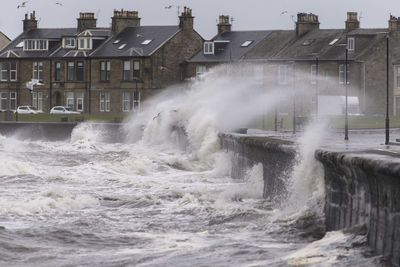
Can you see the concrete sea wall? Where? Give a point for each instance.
(364, 188)
(277, 157)
(56, 131)
(361, 188)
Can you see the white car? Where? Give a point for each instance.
(63, 110)
(27, 110)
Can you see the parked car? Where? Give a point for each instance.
(28, 110)
(63, 110)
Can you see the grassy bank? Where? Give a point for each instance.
(46, 117)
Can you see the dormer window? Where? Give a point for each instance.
(85, 43)
(351, 43)
(32, 44)
(69, 43)
(208, 48)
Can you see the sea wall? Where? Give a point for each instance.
(277, 157)
(364, 188)
(56, 131)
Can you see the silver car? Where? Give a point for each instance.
(63, 110)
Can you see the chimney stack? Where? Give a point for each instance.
(186, 19)
(306, 22)
(123, 19)
(223, 24)
(352, 21)
(86, 20)
(394, 24)
(31, 22)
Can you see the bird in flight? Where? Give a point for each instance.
(58, 3)
(168, 7)
(283, 12)
(23, 4)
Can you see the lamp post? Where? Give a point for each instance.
(316, 86)
(387, 92)
(346, 116)
(294, 98)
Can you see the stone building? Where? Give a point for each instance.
(94, 69)
(310, 58)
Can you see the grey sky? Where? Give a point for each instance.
(247, 14)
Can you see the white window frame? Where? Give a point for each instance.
(313, 74)
(398, 77)
(69, 99)
(36, 45)
(283, 74)
(208, 48)
(79, 101)
(200, 70)
(342, 76)
(4, 72)
(37, 70)
(126, 73)
(87, 43)
(351, 44)
(37, 103)
(3, 100)
(13, 71)
(13, 98)
(126, 101)
(69, 42)
(105, 101)
(136, 102)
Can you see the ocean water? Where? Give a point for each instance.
(164, 196)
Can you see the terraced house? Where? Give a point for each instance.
(94, 69)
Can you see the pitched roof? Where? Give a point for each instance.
(231, 46)
(136, 41)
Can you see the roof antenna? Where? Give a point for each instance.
(97, 13)
(360, 17)
(232, 20)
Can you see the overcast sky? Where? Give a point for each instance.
(247, 14)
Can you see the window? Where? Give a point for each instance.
(39, 44)
(105, 71)
(136, 70)
(104, 101)
(200, 70)
(13, 71)
(70, 99)
(146, 42)
(121, 46)
(37, 100)
(69, 42)
(116, 41)
(79, 101)
(341, 74)
(282, 74)
(334, 41)
(3, 101)
(136, 101)
(57, 71)
(398, 77)
(126, 102)
(70, 71)
(209, 48)
(85, 43)
(246, 44)
(397, 106)
(38, 70)
(350, 44)
(258, 72)
(313, 76)
(79, 71)
(126, 75)
(13, 100)
(4, 71)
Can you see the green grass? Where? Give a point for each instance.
(46, 117)
(267, 122)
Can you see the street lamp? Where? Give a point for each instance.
(316, 86)
(294, 97)
(136, 99)
(387, 91)
(346, 118)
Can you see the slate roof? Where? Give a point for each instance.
(129, 41)
(11, 50)
(233, 50)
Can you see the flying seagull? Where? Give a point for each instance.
(23, 4)
(58, 3)
(168, 7)
(32, 83)
(283, 12)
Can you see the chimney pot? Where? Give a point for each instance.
(352, 21)
(306, 22)
(30, 23)
(123, 19)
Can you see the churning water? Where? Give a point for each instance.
(159, 200)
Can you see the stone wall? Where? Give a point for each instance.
(276, 156)
(361, 189)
